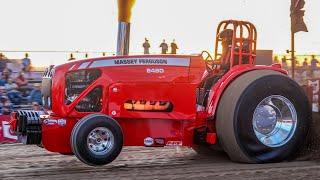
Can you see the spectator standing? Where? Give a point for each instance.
(26, 63)
(284, 62)
(71, 57)
(314, 63)
(305, 64)
(174, 47)
(21, 80)
(146, 46)
(164, 47)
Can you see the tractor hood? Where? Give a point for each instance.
(72, 81)
(153, 68)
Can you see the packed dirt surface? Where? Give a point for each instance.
(18, 161)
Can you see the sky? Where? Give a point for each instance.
(91, 25)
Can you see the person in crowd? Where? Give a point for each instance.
(35, 94)
(5, 105)
(284, 62)
(3, 91)
(71, 57)
(36, 106)
(146, 46)
(305, 64)
(164, 47)
(26, 63)
(314, 63)
(3, 82)
(10, 85)
(21, 80)
(6, 74)
(174, 47)
(14, 95)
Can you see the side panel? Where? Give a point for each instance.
(170, 126)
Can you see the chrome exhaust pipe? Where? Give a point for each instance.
(123, 38)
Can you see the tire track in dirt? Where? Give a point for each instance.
(30, 162)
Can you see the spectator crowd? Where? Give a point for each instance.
(306, 68)
(16, 91)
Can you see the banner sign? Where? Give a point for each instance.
(5, 134)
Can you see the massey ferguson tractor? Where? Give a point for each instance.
(94, 107)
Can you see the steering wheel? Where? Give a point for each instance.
(210, 63)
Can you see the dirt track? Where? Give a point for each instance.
(30, 162)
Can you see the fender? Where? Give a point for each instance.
(218, 89)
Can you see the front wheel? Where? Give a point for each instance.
(96, 139)
(263, 116)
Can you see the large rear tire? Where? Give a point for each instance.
(96, 139)
(263, 116)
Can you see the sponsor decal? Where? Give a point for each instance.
(148, 141)
(159, 141)
(174, 143)
(50, 122)
(60, 122)
(142, 61)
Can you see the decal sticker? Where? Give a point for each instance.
(50, 122)
(148, 141)
(159, 141)
(174, 143)
(62, 122)
(155, 70)
(141, 61)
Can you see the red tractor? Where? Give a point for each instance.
(256, 114)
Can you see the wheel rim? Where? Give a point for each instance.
(100, 141)
(274, 121)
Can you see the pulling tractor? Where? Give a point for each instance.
(94, 107)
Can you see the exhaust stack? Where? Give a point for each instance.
(123, 38)
(124, 15)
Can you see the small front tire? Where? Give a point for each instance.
(96, 139)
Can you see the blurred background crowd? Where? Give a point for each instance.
(20, 85)
(306, 67)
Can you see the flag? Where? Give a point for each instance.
(297, 22)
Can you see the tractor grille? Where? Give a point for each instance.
(28, 126)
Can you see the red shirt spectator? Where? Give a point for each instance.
(21, 80)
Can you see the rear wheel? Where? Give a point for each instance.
(263, 116)
(96, 139)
